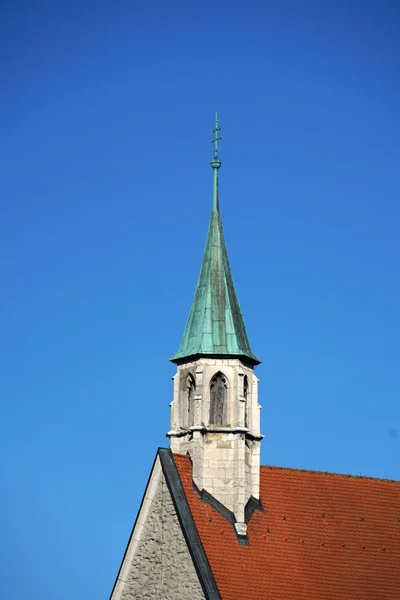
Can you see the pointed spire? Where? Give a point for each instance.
(215, 325)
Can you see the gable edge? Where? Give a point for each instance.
(188, 526)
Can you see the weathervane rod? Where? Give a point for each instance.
(216, 137)
(216, 163)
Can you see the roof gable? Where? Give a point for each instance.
(164, 556)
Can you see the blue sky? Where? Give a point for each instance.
(105, 189)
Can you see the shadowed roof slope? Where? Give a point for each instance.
(323, 537)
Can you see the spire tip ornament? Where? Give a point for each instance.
(216, 163)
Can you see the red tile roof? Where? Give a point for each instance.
(323, 537)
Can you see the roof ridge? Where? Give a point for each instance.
(330, 473)
(313, 471)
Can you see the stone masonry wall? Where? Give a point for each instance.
(162, 568)
(226, 459)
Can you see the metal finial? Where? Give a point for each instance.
(216, 163)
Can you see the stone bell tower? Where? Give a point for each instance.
(215, 415)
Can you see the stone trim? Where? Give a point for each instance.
(215, 429)
(246, 360)
(188, 526)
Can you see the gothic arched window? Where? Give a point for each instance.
(190, 390)
(245, 396)
(218, 400)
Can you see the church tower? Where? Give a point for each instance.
(215, 415)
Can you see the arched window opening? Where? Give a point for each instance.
(190, 391)
(245, 396)
(218, 400)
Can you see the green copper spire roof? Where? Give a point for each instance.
(215, 325)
